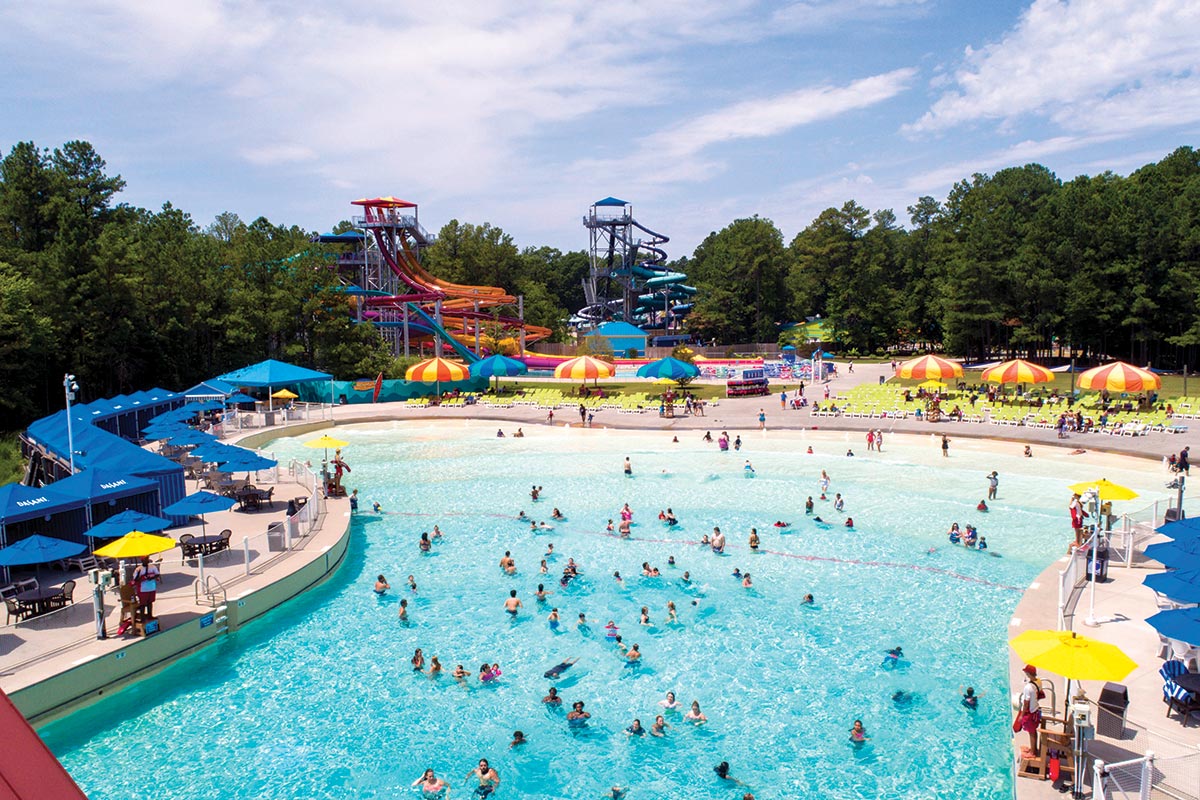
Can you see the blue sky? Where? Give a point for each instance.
(523, 114)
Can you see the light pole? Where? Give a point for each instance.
(70, 387)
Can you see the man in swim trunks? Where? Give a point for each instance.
(577, 717)
(628, 466)
(513, 604)
(559, 668)
(489, 781)
(552, 698)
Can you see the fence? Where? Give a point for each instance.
(1136, 529)
(236, 421)
(1146, 777)
(1071, 580)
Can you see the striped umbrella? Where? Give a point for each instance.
(1017, 371)
(436, 370)
(582, 368)
(1119, 377)
(927, 367)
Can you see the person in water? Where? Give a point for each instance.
(558, 669)
(431, 785)
(552, 698)
(513, 604)
(381, 585)
(983, 506)
(694, 714)
(893, 656)
(403, 610)
(849, 522)
(858, 733)
(489, 781)
(518, 739)
(635, 729)
(577, 717)
(970, 699)
(808, 505)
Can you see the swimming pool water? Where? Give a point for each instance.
(318, 699)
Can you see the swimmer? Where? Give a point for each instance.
(809, 451)
(485, 674)
(838, 502)
(983, 506)
(617, 577)
(737, 443)
(659, 728)
(513, 604)
(541, 594)
(556, 514)
(781, 524)
(746, 584)
(552, 698)
(749, 468)
(807, 601)
(970, 699)
(403, 609)
(543, 567)
(670, 703)
(982, 544)
(633, 655)
(858, 733)
(808, 505)
(418, 661)
(670, 561)
(532, 526)
(635, 729)
(522, 516)
(818, 519)
(754, 539)
(849, 522)
(437, 532)
(577, 717)
(611, 630)
(704, 539)
(645, 618)
(707, 436)
(646, 569)
(425, 545)
(518, 739)
(686, 579)
(671, 518)
(376, 507)
(553, 619)
(718, 541)
(549, 551)
(412, 584)
(460, 674)
(849, 454)
(722, 771)
(431, 786)
(623, 530)
(615, 793)
(381, 585)
(499, 433)
(672, 615)
(628, 466)
(737, 573)
(581, 623)
(609, 526)
(520, 434)
(489, 781)
(893, 656)
(695, 715)
(435, 667)
(542, 526)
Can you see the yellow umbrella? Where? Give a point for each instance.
(284, 394)
(1119, 377)
(582, 368)
(325, 441)
(1017, 371)
(136, 544)
(929, 367)
(1072, 656)
(665, 382)
(1108, 490)
(436, 370)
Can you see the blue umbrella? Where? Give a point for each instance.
(668, 367)
(165, 430)
(240, 397)
(1182, 624)
(199, 503)
(121, 524)
(38, 549)
(190, 438)
(1175, 554)
(1182, 586)
(498, 366)
(216, 452)
(247, 462)
(1181, 529)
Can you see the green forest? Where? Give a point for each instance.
(1018, 262)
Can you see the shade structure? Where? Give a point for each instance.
(436, 370)
(121, 524)
(1119, 377)
(1072, 656)
(199, 503)
(582, 368)
(247, 462)
(136, 544)
(38, 549)
(326, 441)
(1181, 529)
(1182, 585)
(1017, 371)
(284, 394)
(665, 382)
(668, 367)
(1182, 554)
(216, 452)
(498, 366)
(929, 367)
(1181, 624)
(1107, 489)
(272, 373)
(191, 438)
(239, 397)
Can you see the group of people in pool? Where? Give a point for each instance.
(970, 538)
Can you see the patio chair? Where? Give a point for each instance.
(224, 543)
(66, 597)
(8, 591)
(1170, 670)
(14, 608)
(1179, 699)
(268, 498)
(185, 544)
(27, 585)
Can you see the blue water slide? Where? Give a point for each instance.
(421, 323)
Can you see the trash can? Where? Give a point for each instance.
(1098, 562)
(1113, 703)
(268, 418)
(276, 541)
(1172, 515)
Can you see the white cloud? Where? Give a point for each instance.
(282, 153)
(1088, 66)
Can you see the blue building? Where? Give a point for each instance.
(621, 337)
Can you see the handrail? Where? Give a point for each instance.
(209, 591)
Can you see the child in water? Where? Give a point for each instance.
(858, 734)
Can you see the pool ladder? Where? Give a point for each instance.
(214, 591)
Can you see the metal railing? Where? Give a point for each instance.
(1071, 581)
(1147, 776)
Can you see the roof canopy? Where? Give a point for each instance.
(618, 328)
(211, 388)
(18, 502)
(100, 484)
(272, 373)
(95, 446)
(610, 201)
(384, 202)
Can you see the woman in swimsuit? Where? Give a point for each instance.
(543, 568)
(694, 714)
(418, 661)
(754, 540)
(646, 616)
(670, 703)
(437, 532)
(432, 787)
(808, 505)
(425, 544)
(660, 726)
(672, 616)
(577, 717)
(435, 667)
(556, 514)
(746, 584)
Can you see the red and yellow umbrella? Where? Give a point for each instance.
(927, 367)
(435, 370)
(582, 368)
(1017, 371)
(1119, 377)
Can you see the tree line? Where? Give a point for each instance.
(1015, 262)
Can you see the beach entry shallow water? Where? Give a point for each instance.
(319, 698)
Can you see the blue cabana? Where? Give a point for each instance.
(108, 493)
(26, 510)
(272, 373)
(214, 389)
